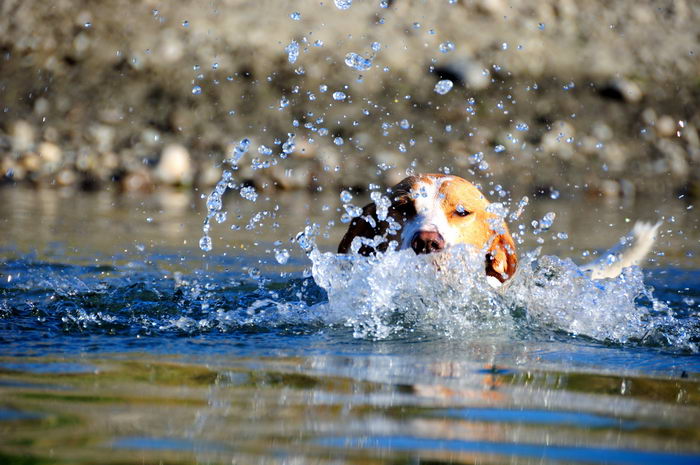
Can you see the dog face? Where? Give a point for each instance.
(436, 211)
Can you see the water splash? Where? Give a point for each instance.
(448, 294)
(214, 201)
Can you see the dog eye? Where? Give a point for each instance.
(461, 211)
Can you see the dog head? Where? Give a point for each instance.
(434, 212)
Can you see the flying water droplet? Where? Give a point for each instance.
(358, 62)
(522, 127)
(296, 16)
(248, 193)
(238, 151)
(499, 148)
(292, 51)
(443, 86)
(345, 197)
(547, 220)
(196, 90)
(446, 47)
(343, 4)
(339, 96)
(338, 141)
(205, 243)
(289, 145)
(282, 256)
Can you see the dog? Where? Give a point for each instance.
(430, 212)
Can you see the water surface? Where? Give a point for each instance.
(122, 342)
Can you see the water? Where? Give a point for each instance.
(122, 341)
(443, 86)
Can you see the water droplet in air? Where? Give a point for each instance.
(358, 62)
(292, 51)
(504, 46)
(282, 256)
(185, 23)
(499, 148)
(446, 47)
(345, 197)
(87, 25)
(522, 127)
(443, 86)
(289, 145)
(547, 220)
(296, 16)
(554, 195)
(343, 4)
(338, 141)
(376, 46)
(205, 243)
(220, 217)
(339, 95)
(540, 26)
(196, 90)
(248, 193)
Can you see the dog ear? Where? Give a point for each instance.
(501, 260)
(359, 227)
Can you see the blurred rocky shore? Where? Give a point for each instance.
(597, 97)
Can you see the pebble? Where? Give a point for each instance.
(175, 166)
(630, 90)
(665, 126)
(50, 153)
(137, 181)
(22, 136)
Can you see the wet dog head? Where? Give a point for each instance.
(428, 213)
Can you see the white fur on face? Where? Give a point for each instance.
(430, 215)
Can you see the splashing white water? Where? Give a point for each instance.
(448, 293)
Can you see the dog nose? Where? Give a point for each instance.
(427, 242)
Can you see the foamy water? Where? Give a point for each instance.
(448, 294)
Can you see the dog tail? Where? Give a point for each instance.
(631, 250)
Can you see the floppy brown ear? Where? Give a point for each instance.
(501, 260)
(359, 227)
